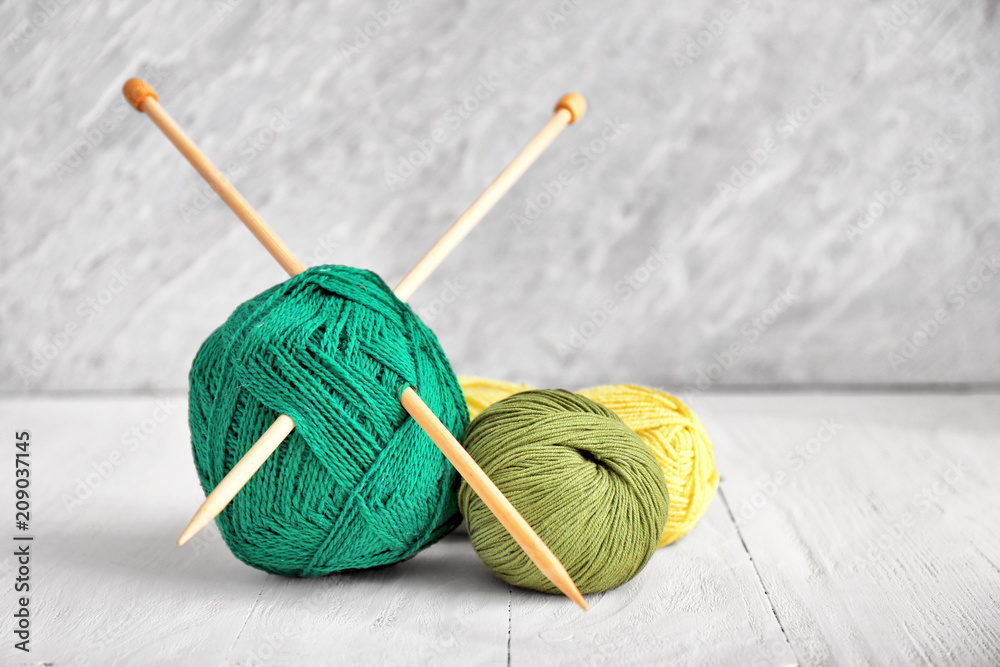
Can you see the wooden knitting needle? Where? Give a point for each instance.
(142, 96)
(570, 108)
(507, 514)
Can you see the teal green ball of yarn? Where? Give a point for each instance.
(357, 484)
(579, 476)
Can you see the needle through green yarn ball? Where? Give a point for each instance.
(358, 483)
(579, 476)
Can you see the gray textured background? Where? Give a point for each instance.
(107, 232)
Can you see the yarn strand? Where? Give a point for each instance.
(672, 432)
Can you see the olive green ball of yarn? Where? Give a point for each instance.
(579, 476)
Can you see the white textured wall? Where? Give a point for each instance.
(92, 196)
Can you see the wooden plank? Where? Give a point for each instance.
(876, 536)
(112, 587)
(698, 601)
(875, 546)
(109, 586)
(442, 607)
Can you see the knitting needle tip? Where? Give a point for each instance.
(575, 104)
(137, 90)
(201, 518)
(240, 474)
(554, 571)
(188, 533)
(569, 589)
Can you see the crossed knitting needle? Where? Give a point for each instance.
(569, 109)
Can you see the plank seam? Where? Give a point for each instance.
(986, 558)
(225, 659)
(510, 597)
(760, 580)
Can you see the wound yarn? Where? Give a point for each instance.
(579, 476)
(357, 484)
(481, 393)
(676, 437)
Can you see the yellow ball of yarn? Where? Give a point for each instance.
(672, 432)
(481, 393)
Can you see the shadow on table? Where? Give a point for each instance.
(149, 553)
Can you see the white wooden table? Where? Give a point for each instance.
(849, 529)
